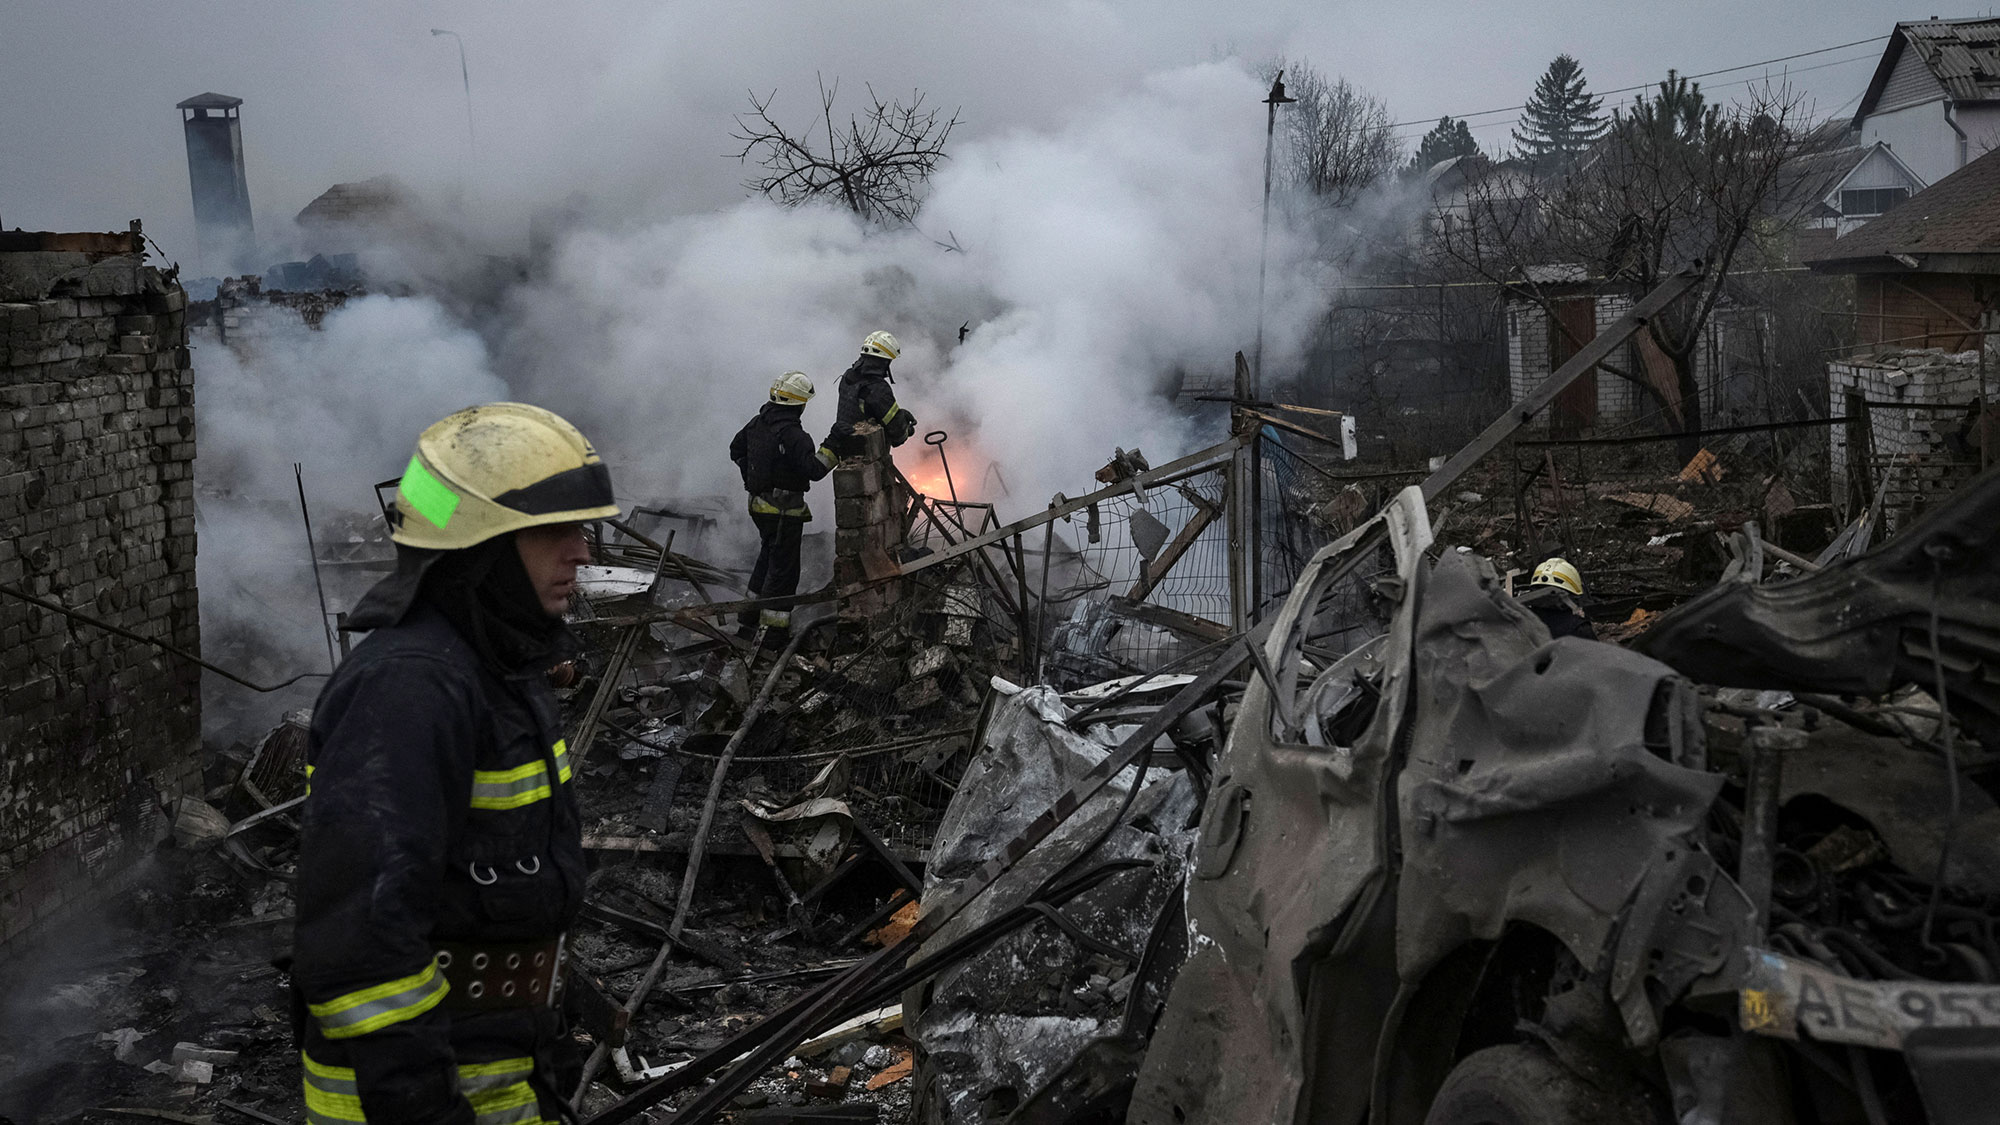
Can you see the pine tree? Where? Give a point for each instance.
(1561, 120)
(1447, 139)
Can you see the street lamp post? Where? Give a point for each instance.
(1277, 98)
(465, 76)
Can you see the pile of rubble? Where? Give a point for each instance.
(1385, 850)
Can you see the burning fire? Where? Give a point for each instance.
(972, 473)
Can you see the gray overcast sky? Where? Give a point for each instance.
(632, 102)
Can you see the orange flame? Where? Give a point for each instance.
(926, 473)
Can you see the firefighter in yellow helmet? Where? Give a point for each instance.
(865, 396)
(1552, 595)
(779, 463)
(441, 859)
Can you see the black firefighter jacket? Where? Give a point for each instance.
(779, 461)
(439, 809)
(865, 396)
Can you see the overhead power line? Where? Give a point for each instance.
(1650, 85)
(1420, 127)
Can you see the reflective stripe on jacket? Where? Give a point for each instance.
(442, 809)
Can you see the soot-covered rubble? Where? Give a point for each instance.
(1382, 851)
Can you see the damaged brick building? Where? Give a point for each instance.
(97, 515)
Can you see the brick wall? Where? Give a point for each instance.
(1918, 442)
(1618, 400)
(96, 513)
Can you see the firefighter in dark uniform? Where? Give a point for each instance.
(1552, 595)
(865, 396)
(441, 859)
(779, 462)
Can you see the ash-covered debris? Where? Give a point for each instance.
(1045, 1021)
(171, 996)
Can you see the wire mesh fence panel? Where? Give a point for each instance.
(1167, 549)
(1291, 495)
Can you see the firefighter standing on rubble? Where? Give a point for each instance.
(1552, 595)
(441, 858)
(779, 462)
(865, 396)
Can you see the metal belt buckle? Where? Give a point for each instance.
(553, 992)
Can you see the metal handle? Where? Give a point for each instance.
(936, 437)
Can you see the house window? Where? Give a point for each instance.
(1871, 201)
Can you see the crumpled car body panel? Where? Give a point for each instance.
(1530, 792)
(1861, 626)
(1555, 783)
(1290, 843)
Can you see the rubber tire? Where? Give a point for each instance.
(1518, 1084)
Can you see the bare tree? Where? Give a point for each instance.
(875, 165)
(1675, 182)
(1337, 141)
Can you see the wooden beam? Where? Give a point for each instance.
(1150, 573)
(1586, 357)
(1172, 620)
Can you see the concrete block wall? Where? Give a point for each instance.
(97, 514)
(868, 506)
(246, 314)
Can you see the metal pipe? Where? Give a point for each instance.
(938, 444)
(312, 553)
(1762, 790)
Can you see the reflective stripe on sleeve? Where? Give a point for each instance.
(894, 409)
(371, 1009)
(332, 1098)
(499, 1092)
(826, 457)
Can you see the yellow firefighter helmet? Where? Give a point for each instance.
(498, 468)
(882, 344)
(792, 389)
(1558, 572)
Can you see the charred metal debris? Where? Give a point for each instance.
(1242, 789)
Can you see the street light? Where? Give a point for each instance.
(1276, 99)
(466, 77)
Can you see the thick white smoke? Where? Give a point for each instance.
(1091, 262)
(346, 403)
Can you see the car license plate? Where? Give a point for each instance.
(1785, 997)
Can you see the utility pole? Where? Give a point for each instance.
(1277, 98)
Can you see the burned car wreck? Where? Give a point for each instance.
(1465, 873)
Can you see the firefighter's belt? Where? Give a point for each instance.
(489, 975)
